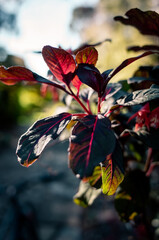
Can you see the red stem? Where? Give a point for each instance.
(79, 101)
(88, 105)
(99, 102)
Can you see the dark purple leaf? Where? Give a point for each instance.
(106, 73)
(91, 141)
(85, 45)
(32, 143)
(128, 61)
(140, 96)
(54, 83)
(90, 76)
(146, 22)
(133, 195)
(149, 138)
(143, 48)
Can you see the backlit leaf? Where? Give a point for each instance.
(96, 179)
(32, 143)
(112, 171)
(60, 63)
(146, 22)
(88, 55)
(76, 83)
(12, 75)
(91, 141)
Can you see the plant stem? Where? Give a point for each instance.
(148, 160)
(99, 102)
(88, 105)
(79, 101)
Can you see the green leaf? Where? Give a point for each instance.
(86, 194)
(96, 179)
(32, 143)
(112, 171)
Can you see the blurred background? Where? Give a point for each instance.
(45, 203)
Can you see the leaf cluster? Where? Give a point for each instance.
(117, 125)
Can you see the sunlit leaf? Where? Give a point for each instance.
(60, 62)
(88, 55)
(146, 22)
(32, 143)
(112, 171)
(76, 83)
(86, 194)
(91, 141)
(96, 179)
(140, 96)
(12, 75)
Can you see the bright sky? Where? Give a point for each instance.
(42, 22)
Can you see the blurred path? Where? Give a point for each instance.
(57, 217)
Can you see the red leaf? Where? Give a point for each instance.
(88, 55)
(60, 62)
(146, 22)
(12, 75)
(76, 83)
